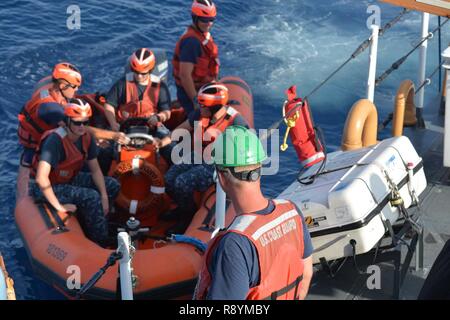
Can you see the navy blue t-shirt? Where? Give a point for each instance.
(236, 269)
(190, 50)
(52, 150)
(117, 95)
(51, 113)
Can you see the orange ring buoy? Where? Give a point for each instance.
(404, 109)
(360, 129)
(142, 185)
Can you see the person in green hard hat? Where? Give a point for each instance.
(266, 251)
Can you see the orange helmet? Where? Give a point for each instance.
(203, 8)
(77, 108)
(142, 60)
(212, 94)
(68, 72)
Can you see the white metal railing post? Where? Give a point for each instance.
(373, 63)
(446, 66)
(126, 285)
(220, 206)
(422, 61)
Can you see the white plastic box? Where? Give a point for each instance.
(350, 199)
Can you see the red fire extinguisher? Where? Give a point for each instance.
(300, 127)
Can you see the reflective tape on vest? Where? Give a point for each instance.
(231, 111)
(157, 190)
(133, 206)
(44, 94)
(135, 163)
(272, 224)
(207, 37)
(242, 222)
(280, 201)
(154, 78)
(162, 66)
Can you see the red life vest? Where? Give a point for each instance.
(278, 239)
(72, 164)
(209, 131)
(207, 67)
(31, 127)
(135, 108)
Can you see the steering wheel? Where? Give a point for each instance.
(130, 123)
(138, 139)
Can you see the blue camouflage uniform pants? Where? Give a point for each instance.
(183, 179)
(82, 192)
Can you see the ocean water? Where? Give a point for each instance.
(271, 44)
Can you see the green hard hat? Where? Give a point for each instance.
(238, 146)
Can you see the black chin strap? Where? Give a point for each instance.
(68, 125)
(195, 23)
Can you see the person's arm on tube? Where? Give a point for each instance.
(43, 181)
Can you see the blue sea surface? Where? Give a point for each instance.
(271, 44)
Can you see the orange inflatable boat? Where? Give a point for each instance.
(162, 269)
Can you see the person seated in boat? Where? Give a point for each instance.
(45, 111)
(183, 179)
(56, 176)
(196, 56)
(266, 252)
(139, 95)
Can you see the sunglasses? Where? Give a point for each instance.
(141, 74)
(206, 20)
(79, 123)
(67, 86)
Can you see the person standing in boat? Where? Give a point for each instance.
(139, 95)
(45, 111)
(56, 176)
(182, 179)
(196, 57)
(266, 251)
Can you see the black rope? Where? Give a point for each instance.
(400, 61)
(353, 244)
(391, 23)
(310, 179)
(427, 80)
(386, 121)
(361, 48)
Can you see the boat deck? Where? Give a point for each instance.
(434, 212)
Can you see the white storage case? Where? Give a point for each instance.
(350, 199)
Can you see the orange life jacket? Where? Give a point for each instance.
(72, 164)
(207, 67)
(278, 239)
(31, 127)
(135, 108)
(209, 130)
